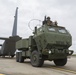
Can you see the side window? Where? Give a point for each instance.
(40, 29)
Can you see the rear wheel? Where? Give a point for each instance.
(36, 61)
(3, 56)
(21, 58)
(60, 62)
(17, 57)
(12, 56)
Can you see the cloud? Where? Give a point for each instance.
(63, 11)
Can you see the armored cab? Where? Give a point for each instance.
(49, 42)
(53, 39)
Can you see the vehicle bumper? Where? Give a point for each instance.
(56, 54)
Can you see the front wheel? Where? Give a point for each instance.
(36, 61)
(17, 57)
(60, 62)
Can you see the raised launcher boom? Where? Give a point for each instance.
(49, 42)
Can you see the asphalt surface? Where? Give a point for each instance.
(9, 66)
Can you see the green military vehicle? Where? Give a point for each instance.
(49, 42)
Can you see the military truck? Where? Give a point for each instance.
(48, 42)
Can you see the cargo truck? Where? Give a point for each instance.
(48, 42)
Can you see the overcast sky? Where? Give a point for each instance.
(64, 11)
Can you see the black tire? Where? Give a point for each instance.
(12, 56)
(21, 58)
(3, 56)
(36, 61)
(17, 57)
(60, 62)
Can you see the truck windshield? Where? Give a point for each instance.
(62, 30)
(51, 29)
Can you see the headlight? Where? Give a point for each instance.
(49, 52)
(70, 52)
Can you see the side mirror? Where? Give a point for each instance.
(35, 30)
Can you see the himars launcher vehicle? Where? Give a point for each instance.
(49, 42)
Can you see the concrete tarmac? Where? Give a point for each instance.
(9, 66)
